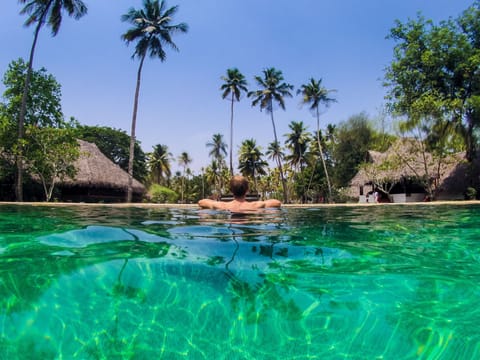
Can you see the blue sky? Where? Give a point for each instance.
(342, 41)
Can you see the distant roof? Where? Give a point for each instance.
(402, 160)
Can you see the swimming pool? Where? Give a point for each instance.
(376, 282)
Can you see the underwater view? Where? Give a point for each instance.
(372, 282)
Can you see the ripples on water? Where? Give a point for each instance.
(392, 282)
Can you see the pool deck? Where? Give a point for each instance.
(195, 206)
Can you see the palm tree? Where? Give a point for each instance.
(218, 151)
(272, 89)
(218, 148)
(159, 163)
(234, 84)
(250, 162)
(40, 12)
(152, 31)
(184, 160)
(298, 142)
(214, 176)
(315, 94)
(275, 152)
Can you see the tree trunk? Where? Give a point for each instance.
(470, 152)
(231, 136)
(280, 167)
(23, 111)
(323, 159)
(132, 133)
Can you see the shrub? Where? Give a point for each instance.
(471, 193)
(161, 194)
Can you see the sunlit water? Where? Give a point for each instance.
(379, 282)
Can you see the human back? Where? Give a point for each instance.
(239, 187)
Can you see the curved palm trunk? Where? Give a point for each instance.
(231, 136)
(23, 110)
(323, 159)
(132, 134)
(280, 167)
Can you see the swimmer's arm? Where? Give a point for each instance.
(270, 203)
(211, 204)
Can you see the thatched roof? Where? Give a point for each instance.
(403, 160)
(95, 170)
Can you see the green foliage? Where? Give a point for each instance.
(48, 147)
(152, 28)
(159, 164)
(162, 195)
(298, 141)
(114, 144)
(50, 12)
(434, 75)
(44, 96)
(471, 193)
(251, 162)
(50, 154)
(272, 90)
(353, 140)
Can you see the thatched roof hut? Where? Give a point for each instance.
(97, 179)
(405, 166)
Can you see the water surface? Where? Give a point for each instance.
(377, 282)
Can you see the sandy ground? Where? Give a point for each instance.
(195, 206)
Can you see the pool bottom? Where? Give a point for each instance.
(161, 309)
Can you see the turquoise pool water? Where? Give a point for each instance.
(379, 282)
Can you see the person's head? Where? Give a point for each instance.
(238, 186)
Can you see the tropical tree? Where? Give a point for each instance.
(250, 162)
(233, 86)
(272, 91)
(152, 31)
(218, 148)
(213, 176)
(218, 151)
(275, 152)
(50, 154)
(40, 12)
(353, 140)
(159, 163)
(184, 160)
(314, 94)
(435, 73)
(298, 142)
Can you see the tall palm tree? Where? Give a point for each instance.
(159, 163)
(234, 84)
(315, 94)
(298, 142)
(40, 12)
(152, 31)
(250, 162)
(272, 90)
(218, 148)
(184, 160)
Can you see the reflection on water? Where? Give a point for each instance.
(378, 282)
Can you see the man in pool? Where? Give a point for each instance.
(239, 188)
